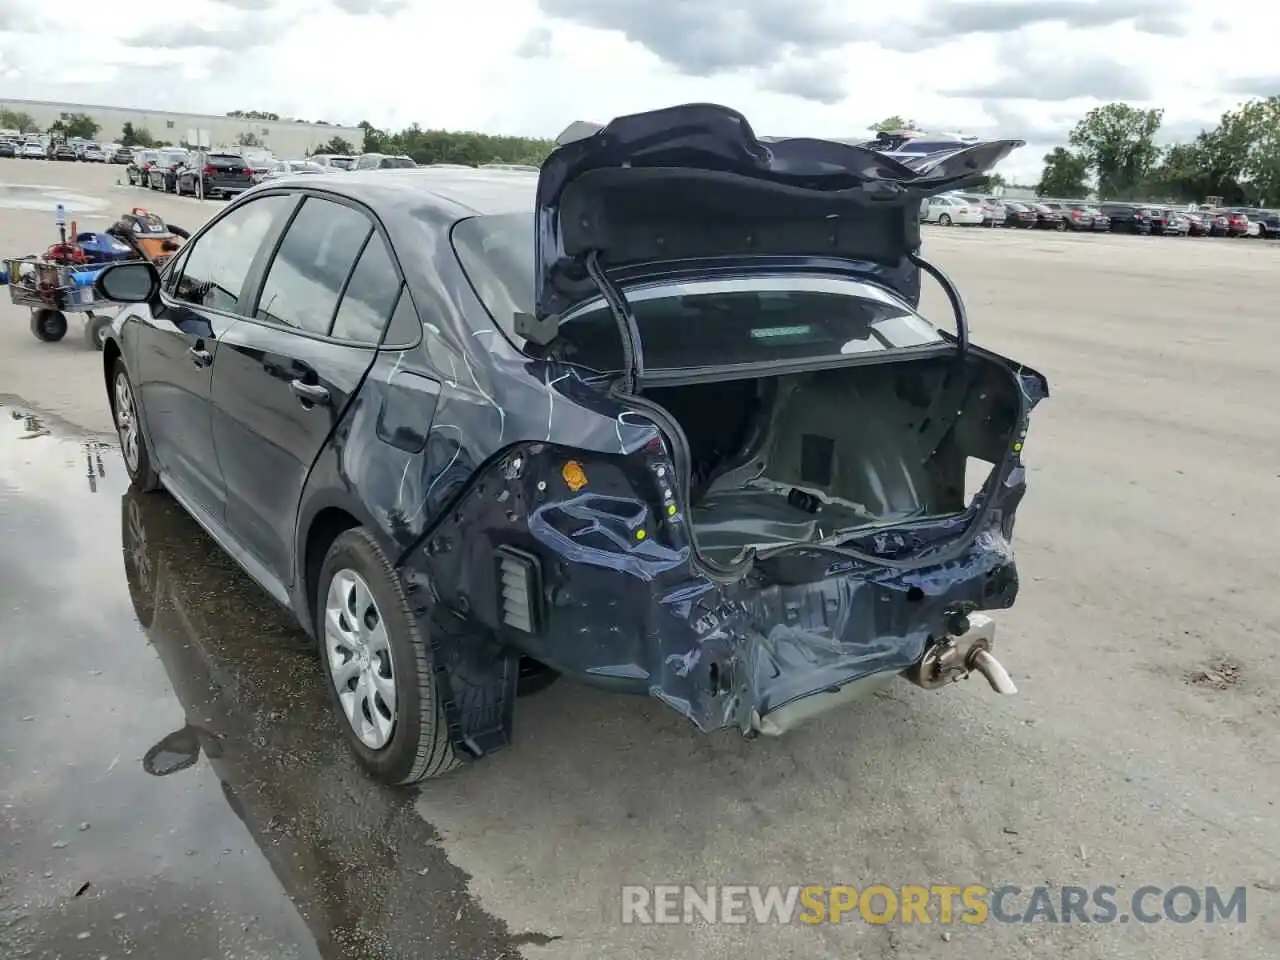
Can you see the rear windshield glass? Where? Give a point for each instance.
(396, 163)
(342, 163)
(692, 324)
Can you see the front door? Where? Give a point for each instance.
(179, 345)
(285, 377)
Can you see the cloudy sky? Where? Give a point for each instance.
(1025, 68)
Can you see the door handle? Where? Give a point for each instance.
(200, 356)
(309, 393)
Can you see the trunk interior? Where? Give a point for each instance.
(802, 457)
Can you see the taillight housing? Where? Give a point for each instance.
(208, 170)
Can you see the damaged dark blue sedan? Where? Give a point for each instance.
(663, 416)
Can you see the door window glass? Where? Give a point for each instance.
(313, 262)
(219, 259)
(370, 296)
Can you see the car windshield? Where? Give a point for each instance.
(751, 319)
(342, 163)
(396, 163)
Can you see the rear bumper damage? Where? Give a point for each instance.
(800, 634)
(763, 660)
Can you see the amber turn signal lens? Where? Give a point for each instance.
(575, 478)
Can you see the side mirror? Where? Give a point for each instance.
(134, 282)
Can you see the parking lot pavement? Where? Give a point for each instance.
(1140, 750)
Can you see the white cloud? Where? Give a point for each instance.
(1025, 68)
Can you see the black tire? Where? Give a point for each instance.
(142, 473)
(141, 572)
(95, 331)
(48, 325)
(944, 220)
(420, 746)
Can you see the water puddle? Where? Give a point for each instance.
(28, 196)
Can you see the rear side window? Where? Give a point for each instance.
(219, 259)
(370, 296)
(312, 264)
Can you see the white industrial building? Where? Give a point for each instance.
(284, 138)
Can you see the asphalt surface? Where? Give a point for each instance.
(172, 783)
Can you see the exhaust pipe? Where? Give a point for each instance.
(958, 654)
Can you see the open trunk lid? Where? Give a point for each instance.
(695, 181)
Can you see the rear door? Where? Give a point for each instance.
(285, 377)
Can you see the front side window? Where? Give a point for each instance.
(219, 259)
(313, 262)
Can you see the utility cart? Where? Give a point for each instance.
(59, 282)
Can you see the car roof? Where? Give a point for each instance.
(460, 192)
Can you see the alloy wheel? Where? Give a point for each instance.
(358, 656)
(127, 422)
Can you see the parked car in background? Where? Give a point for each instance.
(163, 173)
(1127, 218)
(988, 208)
(32, 151)
(1176, 222)
(1237, 222)
(1097, 220)
(1198, 223)
(63, 152)
(212, 173)
(258, 163)
(334, 161)
(93, 153)
(140, 166)
(1074, 216)
(383, 161)
(1019, 214)
(1267, 221)
(1048, 218)
(947, 209)
(8, 148)
(286, 168)
(122, 155)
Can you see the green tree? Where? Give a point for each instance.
(1065, 174)
(131, 136)
(1118, 144)
(18, 120)
(336, 145)
(894, 122)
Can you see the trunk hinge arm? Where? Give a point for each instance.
(953, 295)
(628, 332)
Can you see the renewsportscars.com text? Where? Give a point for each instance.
(942, 904)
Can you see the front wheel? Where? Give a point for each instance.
(379, 665)
(96, 329)
(133, 445)
(48, 325)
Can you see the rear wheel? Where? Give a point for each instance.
(944, 220)
(48, 325)
(379, 665)
(133, 445)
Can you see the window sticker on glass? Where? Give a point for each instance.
(774, 333)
